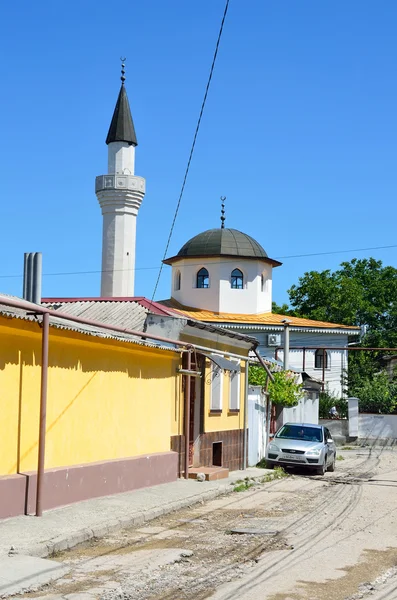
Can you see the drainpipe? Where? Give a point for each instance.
(43, 414)
(304, 359)
(187, 414)
(245, 440)
(286, 344)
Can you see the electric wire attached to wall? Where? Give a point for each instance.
(192, 148)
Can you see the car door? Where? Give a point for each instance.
(330, 450)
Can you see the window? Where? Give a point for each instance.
(319, 357)
(216, 387)
(237, 280)
(234, 398)
(177, 281)
(203, 280)
(262, 283)
(300, 432)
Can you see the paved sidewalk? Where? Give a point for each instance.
(68, 526)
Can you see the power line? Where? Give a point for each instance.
(193, 146)
(338, 251)
(200, 263)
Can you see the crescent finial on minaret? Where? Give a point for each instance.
(122, 70)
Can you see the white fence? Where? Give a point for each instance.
(305, 412)
(256, 425)
(377, 427)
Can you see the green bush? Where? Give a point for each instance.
(283, 391)
(378, 395)
(327, 401)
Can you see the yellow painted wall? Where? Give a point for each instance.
(225, 420)
(106, 399)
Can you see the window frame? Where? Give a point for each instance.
(319, 357)
(200, 273)
(235, 386)
(177, 281)
(236, 277)
(216, 376)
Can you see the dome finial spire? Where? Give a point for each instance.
(223, 218)
(122, 70)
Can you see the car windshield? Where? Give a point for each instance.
(300, 432)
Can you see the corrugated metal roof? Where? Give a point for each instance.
(260, 319)
(17, 313)
(129, 312)
(130, 315)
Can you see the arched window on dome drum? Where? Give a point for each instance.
(237, 280)
(321, 359)
(203, 279)
(177, 281)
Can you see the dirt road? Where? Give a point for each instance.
(297, 538)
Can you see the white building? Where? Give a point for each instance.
(224, 276)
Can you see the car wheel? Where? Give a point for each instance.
(331, 467)
(269, 465)
(321, 470)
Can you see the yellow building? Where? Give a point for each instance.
(115, 418)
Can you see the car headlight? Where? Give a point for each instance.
(315, 452)
(273, 447)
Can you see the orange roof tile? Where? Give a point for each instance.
(267, 318)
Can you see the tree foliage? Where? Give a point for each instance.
(378, 395)
(283, 391)
(361, 292)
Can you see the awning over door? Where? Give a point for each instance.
(223, 363)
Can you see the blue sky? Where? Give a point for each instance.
(299, 131)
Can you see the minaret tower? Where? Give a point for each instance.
(120, 194)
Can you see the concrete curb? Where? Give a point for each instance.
(61, 543)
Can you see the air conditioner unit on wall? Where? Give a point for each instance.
(274, 339)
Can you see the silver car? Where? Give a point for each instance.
(302, 445)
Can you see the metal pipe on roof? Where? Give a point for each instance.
(264, 365)
(338, 348)
(36, 277)
(245, 441)
(34, 308)
(187, 413)
(43, 414)
(286, 344)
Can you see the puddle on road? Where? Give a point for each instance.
(374, 563)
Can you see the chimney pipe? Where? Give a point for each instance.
(32, 274)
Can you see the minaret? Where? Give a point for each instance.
(120, 194)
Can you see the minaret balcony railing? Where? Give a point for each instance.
(119, 182)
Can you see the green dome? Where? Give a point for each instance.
(222, 242)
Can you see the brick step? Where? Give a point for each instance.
(211, 473)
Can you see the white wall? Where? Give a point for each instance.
(121, 158)
(256, 425)
(337, 359)
(220, 297)
(305, 412)
(371, 426)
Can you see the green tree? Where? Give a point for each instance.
(284, 309)
(378, 395)
(283, 391)
(361, 292)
